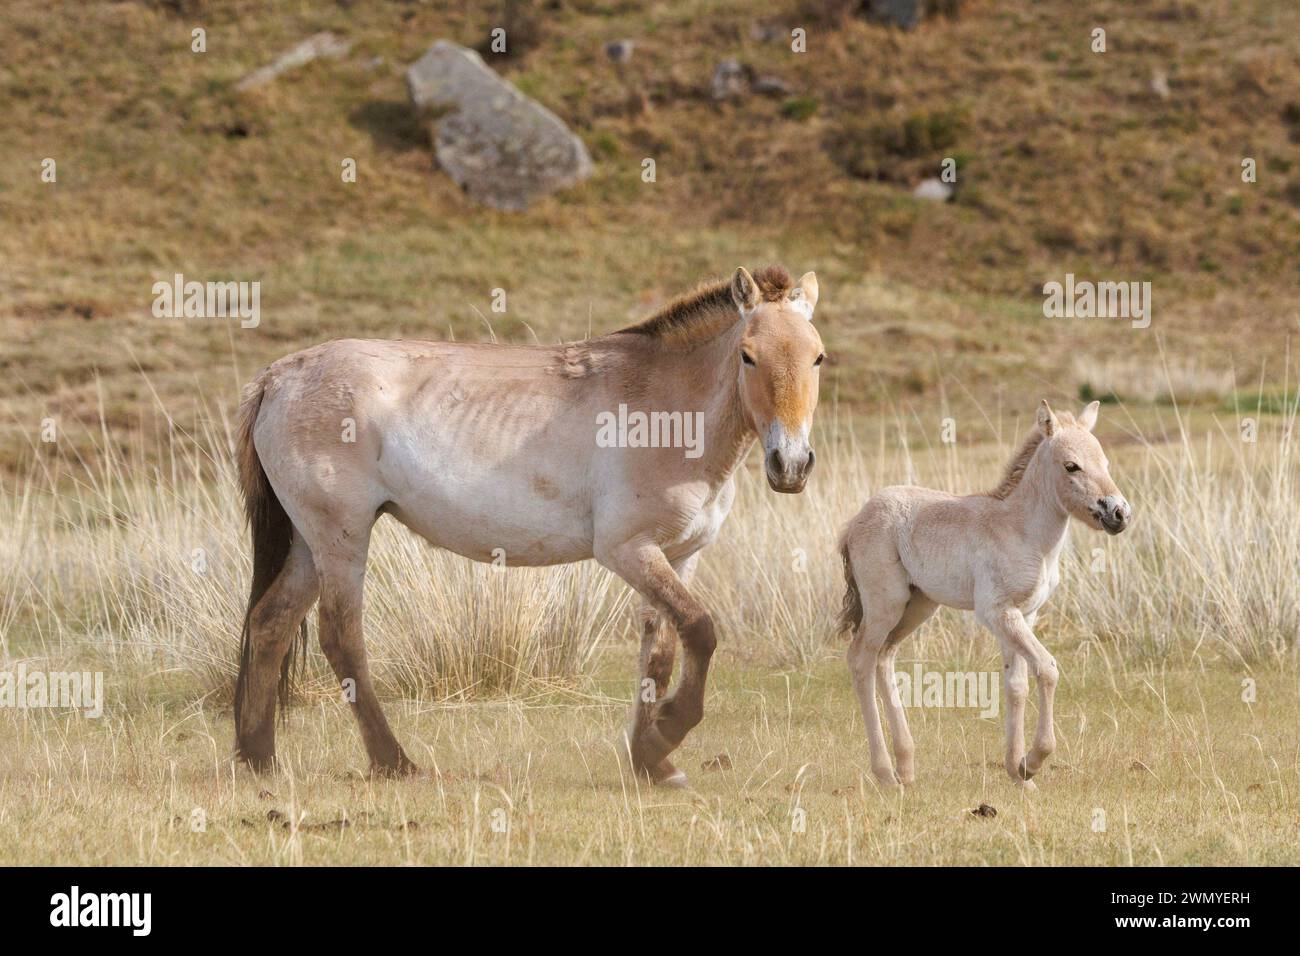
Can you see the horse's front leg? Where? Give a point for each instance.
(658, 653)
(667, 720)
(1011, 627)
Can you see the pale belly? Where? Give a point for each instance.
(520, 517)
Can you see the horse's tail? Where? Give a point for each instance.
(272, 534)
(851, 608)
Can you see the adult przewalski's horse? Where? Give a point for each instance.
(488, 448)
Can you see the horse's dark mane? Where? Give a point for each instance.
(702, 312)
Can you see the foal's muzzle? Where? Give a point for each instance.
(788, 472)
(1113, 513)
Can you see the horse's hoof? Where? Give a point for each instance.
(1027, 786)
(258, 763)
(674, 781)
(402, 767)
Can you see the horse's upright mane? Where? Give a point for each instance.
(703, 312)
(1016, 468)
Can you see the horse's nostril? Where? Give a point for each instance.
(774, 462)
(809, 461)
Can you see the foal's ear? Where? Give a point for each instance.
(744, 291)
(1046, 420)
(804, 294)
(1088, 418)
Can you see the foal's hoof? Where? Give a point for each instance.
(1027, 786)
(888, 780)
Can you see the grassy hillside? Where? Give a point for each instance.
(1069, 161)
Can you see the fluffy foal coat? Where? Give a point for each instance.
(912, 549)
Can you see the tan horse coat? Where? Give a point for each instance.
(490, 450)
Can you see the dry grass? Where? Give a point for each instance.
(120, 548)
(513, 685)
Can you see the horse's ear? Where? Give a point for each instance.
(1088, 418)
(1046, 420)
(804, 294)
(744, 291)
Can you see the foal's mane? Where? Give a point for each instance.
(702, 313)
(1016, 468)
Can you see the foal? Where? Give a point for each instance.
(910, 550)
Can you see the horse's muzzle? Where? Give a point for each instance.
(787, 474)
(1113, 513)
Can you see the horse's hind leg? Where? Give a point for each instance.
(919, 608)
(884, 592)
(342, 583)
(271, 628)
(658, 651)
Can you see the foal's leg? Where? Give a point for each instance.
(658, 651)
(644, 566)
(882, 588)
(342, 581)
(271, 629)
(1010, 625)
(918, 609)
(1016, 680)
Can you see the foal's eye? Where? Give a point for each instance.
(821, 358)
(747, 359)
(1071, 467)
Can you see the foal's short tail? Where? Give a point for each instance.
(851, 608)
(272, 536)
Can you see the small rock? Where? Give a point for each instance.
(984, 810)
(1160, 84)
(905, 14)
(320, 45)
(731, 79)
(503, 148)
(720, 762)
(933, 189)
(771, 86)
(619, 51)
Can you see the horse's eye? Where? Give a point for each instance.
(821, 358)
(745, 357)
(1071, 467)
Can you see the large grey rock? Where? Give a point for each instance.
(501, 147)
(901, 13)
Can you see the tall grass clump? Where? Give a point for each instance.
(145, 563)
